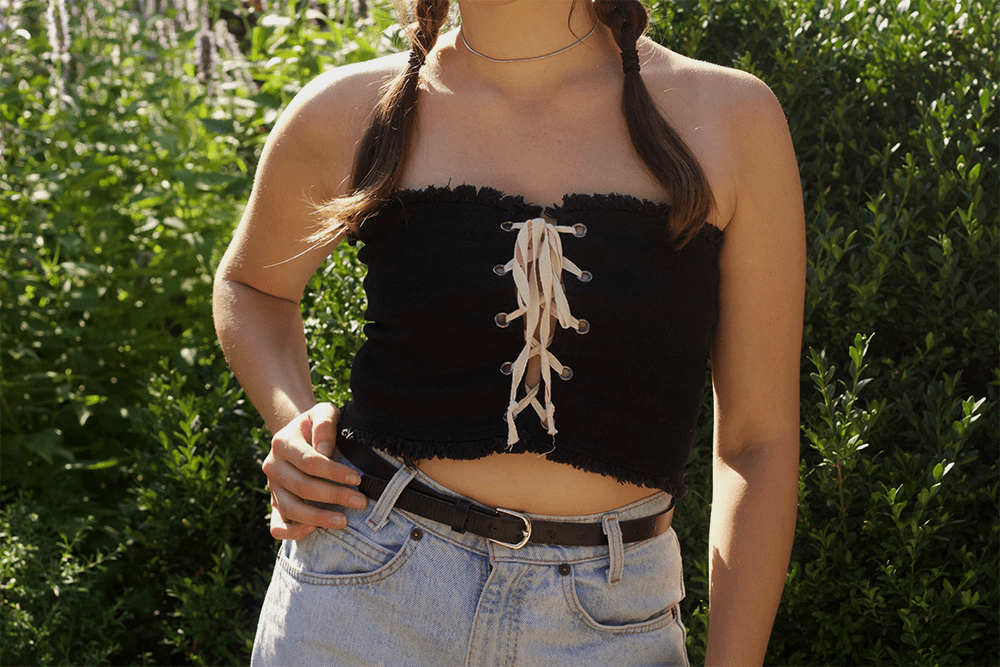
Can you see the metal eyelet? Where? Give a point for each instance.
(507, 226)
(585, 276)
(500, 270)
(583, 327)
(579, 230)
(566, 373)
(501, 320)
(506, 368)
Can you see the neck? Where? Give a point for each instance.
(518, 29)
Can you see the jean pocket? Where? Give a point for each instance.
(351, 556)
(645, 599)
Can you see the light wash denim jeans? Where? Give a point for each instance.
(397, 589)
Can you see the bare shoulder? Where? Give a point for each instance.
(307, 159)
(729, 118)
(713, 92)
(327, 117)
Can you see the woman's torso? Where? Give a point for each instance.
(541, 144)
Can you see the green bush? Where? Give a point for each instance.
(895, 560)
(49, 579)
(131, 480)
(126, 166)
(200, 554)
(120, 182)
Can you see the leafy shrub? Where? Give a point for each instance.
(895, 560)
(200, 553)
(48, 609)
(114, 191)
(333, 316)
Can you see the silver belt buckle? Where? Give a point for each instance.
(526, 533)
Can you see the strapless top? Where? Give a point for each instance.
(467, 286)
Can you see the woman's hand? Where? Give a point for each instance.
(299, 472)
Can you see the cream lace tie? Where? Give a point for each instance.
(537, 266)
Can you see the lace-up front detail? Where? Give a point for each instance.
(436, 376)
(537, 268)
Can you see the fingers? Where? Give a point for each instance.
(286, 530)
(286, 475)
(300, 442)
(285, 506)
(299, 474)
(309, 462)
(324, 417)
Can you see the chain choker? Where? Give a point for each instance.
(525, 60)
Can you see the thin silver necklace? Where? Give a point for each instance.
(525, 60)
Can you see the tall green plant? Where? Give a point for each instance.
(115, 191)
(199, 548)
(49, 581)
(895, 559)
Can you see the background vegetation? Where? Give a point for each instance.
(133, 512)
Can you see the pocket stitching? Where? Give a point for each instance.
(395, 563)
(360, 546)
(576, 607)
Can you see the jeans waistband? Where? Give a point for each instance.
(656, 503)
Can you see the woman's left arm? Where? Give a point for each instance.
(755, 377)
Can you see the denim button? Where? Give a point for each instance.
(564, 569)
(416, 534)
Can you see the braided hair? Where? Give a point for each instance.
(656, 143)
(382, 151)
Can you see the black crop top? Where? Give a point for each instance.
(453, 277)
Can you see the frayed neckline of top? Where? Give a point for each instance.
(515, 206)
(493, 197)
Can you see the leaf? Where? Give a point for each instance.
(46, 444)
(219, 125)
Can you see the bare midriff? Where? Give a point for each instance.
(531, 483)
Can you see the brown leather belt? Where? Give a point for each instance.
(505, 527)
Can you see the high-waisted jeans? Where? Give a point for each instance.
(397, 589)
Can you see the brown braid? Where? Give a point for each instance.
(383, 148)
(658, 145)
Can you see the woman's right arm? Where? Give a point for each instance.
(259, 286)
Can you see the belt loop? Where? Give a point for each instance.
(616, 549)
(379, 515)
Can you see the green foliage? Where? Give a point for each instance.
(126, 166)
(895, 560)
(114, 195)
(333, 318)
(200, 552)
(48, 587)
(134, 521)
